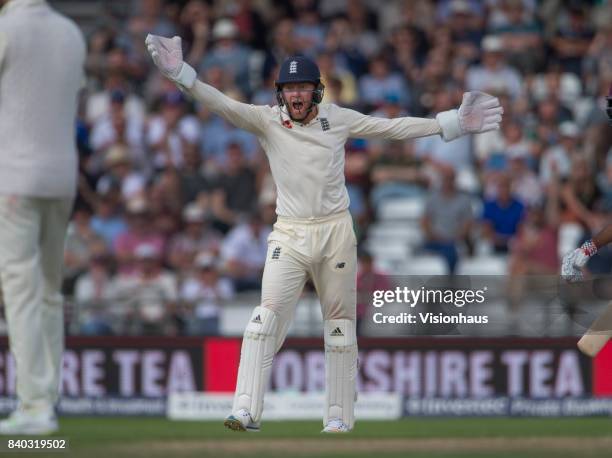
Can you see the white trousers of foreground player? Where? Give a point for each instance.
(324, 250)
(31, 258)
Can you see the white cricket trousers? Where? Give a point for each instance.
(322, 249)
(32, 239)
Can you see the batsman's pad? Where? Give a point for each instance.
(258, 348)
(340, 370)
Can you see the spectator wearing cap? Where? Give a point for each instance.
(447, 220)
(140, 232)
(118, 168)
(150, 294)
(501, 216)
(171, 132)
(560, 156)
(229, 54)
(197, 236)
(493, 74)
(204, 294)
(243, 252)
(237, 191)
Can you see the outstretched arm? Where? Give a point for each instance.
(479, 112)
(168, 57)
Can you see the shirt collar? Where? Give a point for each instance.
(17, 4)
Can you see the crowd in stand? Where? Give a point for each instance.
(175, 204)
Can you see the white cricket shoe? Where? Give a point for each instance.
(335, 425)
(241, 421)
(39, 421)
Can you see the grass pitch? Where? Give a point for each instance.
(415, 438)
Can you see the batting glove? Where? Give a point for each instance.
(168, 57)
(571, 268)
(479, 112)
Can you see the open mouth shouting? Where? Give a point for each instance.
(298, 106)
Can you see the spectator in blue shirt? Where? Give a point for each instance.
(501, 216)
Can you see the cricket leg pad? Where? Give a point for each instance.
(340, 371)
(258, 348)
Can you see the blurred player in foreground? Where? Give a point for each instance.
(41, 70)
(313, 236)
(571, 270)
(600, 331)
(574, 261)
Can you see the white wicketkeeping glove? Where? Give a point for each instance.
(479, 112)
(574, 261)
(168, 56)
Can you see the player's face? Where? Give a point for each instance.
(298, 98)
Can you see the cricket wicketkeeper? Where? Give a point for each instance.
(313, 236)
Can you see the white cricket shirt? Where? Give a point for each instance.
(307, 161)
(41, 71)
